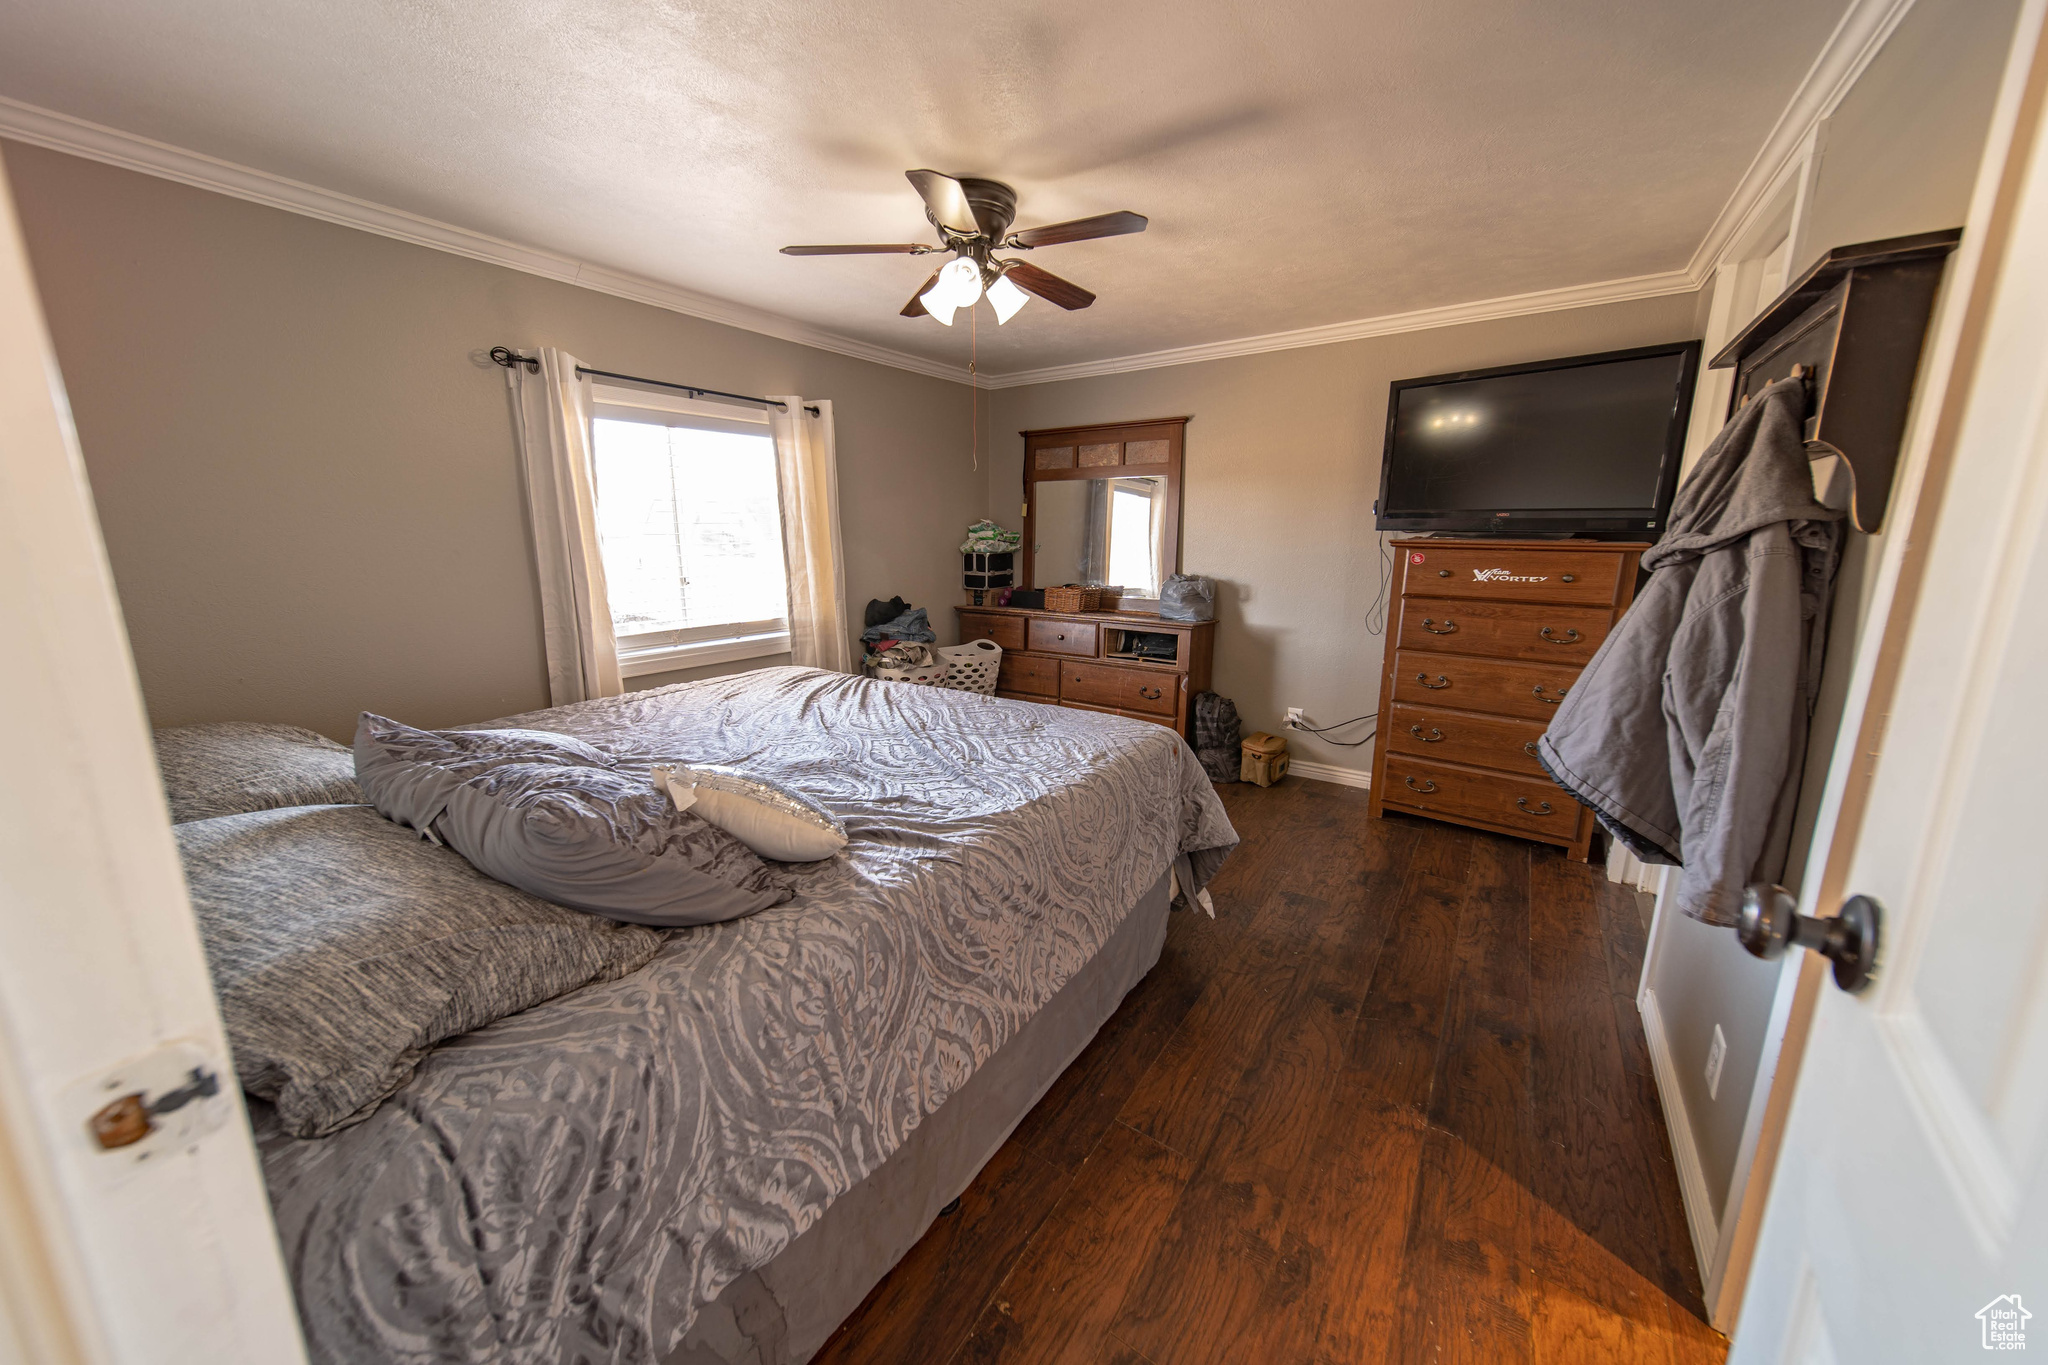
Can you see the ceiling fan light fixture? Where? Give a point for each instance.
(963, 279)
(959, 285)
(1006, 299)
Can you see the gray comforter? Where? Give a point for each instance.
(576, 1182)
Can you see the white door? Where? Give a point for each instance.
(1908, 1217)
(158, 1251)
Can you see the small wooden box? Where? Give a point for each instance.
(1265, 758)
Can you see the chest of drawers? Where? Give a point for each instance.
(1126, 662)
(1484, 641)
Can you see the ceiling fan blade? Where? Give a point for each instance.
(1082, 229)
(865, 249)
(915, 308)
(946, 199)
(1048, 286)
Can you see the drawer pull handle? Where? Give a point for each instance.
(1149, 693)
(1540, 808)
(1443, 573)
(1435, 736)
(1429, 624)
(1062, 637)
(1426, 787)
(1561, 692)
(1571, 637)
(1437, 686)
(1530, 748)
(1569, 578)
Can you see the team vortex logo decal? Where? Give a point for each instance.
(1503, 576)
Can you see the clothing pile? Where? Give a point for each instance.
(896, 635)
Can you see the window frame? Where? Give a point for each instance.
(666, 651)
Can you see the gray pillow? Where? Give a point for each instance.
(553, 816)
(343, 948)
(237, 766)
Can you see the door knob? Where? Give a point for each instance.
(1770, 923)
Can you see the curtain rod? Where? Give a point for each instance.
(506, 356)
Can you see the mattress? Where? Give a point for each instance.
(582, 1181)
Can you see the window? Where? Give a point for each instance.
(690, 525)
(1131, 533)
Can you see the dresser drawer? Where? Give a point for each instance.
(1504, 630)
(1590, 577)
(1126, 689)
(1460, 737)
(1028, 675)
(1149, 692)
(1007, 631)
(1532, 805)
(1061, 637)
(1496, 685)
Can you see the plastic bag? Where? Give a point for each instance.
(1187, 597)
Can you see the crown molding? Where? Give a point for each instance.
(1858, 37)
(96, 142)
(1855, 42)
(1422, 319)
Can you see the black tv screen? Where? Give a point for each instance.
(1583, 444)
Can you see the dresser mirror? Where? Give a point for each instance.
(1107, 532)
(1102, 506)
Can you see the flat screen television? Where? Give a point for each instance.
(1587, 445)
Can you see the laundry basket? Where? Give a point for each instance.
(908, 662)
(971, 667)
(925, 675)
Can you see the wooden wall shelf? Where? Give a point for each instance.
(1856, 321)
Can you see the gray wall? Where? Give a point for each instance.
(1900, 157)
(1283, 464)
(306, 476)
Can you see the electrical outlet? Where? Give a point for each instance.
(1717, 1053)
(1294, 717)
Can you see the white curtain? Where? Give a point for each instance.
(808, 470)
(551, 410)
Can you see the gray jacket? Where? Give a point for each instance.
(1687, 731)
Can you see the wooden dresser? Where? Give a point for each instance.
(1483, 642)
(1112, 661)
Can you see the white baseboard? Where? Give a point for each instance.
(1685, 1153)
(1330, 772)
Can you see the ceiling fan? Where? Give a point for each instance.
(973, 218)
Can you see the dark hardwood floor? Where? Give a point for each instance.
(1391, 1105)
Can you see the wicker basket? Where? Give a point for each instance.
(1112, 599)
(972, 667)
(1073, 597)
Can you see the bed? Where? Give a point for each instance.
(715, 1157)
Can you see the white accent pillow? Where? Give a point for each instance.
(767, 817)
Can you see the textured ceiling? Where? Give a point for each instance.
(1302, 163)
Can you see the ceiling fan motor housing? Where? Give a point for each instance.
(994, 205)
